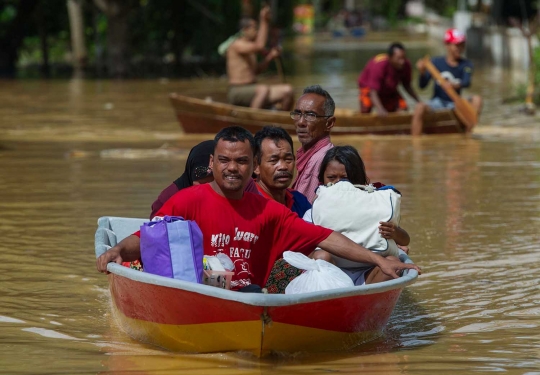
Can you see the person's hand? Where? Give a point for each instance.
(111, 255)
(265, 14)
(404, 248)
(274, 52)
(393, 267)
(421, 66)
(387, 230)
(446, 85)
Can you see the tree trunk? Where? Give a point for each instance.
(8, 59)
(529, 98)
(117, 12)
(78, 45)
(45, 67)
(44, 44)
(98, 45)
(117, 46)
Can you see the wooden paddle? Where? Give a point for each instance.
(464, 110)
(279, 67)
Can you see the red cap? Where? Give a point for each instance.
(454, 36)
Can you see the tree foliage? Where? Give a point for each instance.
(150, 37)
(13, 28)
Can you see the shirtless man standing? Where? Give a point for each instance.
(242, 67)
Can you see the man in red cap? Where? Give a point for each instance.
(455, 69)
(379, 81)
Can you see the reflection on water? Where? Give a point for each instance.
(71, 151)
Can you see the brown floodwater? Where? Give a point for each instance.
(72, 151)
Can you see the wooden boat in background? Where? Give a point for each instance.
(196, 318)
(207, 116)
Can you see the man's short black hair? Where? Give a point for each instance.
(329, 104)
(274, 133)
(393, 47)
(234, 134)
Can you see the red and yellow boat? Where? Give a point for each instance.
(208, 116)
(196, 318)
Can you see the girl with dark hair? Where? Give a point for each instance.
(343, 163)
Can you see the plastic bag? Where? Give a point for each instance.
(173, 247)
(319, 275)
(225, 261)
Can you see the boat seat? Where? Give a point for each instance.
(112, 230)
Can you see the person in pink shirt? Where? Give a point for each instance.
(313, 116)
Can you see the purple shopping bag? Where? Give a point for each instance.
(173, 247)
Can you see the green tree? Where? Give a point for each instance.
(187, 27)
(118, 33)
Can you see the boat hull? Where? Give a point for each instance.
(186, 321)
(195, 318)
(205, 116)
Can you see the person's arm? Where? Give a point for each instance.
(406, 81)
(394, 232)
(411, 92)
(127, 250)
(374, 95)
(263, 65)
(339, 245)
(467, 76)
(424, 76)
(244, 47)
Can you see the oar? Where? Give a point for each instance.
(279, 67)
(464, 110)
(277, 60)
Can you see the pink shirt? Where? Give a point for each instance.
(308, 163)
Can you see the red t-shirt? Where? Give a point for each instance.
(289, 199)
(253, 231)
(381, 76)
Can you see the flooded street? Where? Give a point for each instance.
(72, 151)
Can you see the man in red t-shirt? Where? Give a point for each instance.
(378, 82)
(252, 230)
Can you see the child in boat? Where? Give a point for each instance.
(344, 163)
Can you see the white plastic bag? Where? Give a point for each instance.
(226, 262)
(319, 275)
